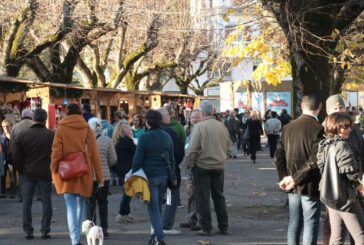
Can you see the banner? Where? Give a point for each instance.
(277, 101)
(241, 101)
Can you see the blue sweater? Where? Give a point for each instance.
(147, 155)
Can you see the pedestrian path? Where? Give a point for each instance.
(255, 207)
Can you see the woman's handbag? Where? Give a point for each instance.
(74, 164)
(335, 190)
(172, 181)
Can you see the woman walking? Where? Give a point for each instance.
(335, 151)
(255, 130)
(71, 136)
(108, 160)
(125, 150)
(148, 157)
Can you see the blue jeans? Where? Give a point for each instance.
(157, 187)
(304, 213)
(76, 207)
(170, 210)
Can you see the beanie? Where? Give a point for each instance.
(334, 101)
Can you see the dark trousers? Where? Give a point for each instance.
(210, 181)
(272, 141)
(13, 180)
(254, 144)
(99, 198)
(28, 186)
(124, 204)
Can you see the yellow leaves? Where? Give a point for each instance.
(245, 82)
(273, 73)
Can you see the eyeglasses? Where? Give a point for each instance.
(346, 126)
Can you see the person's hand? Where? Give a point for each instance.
(101, 184)
(287, 183)
(360, 189)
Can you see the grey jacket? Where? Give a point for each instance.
(347, 162)
(107, 155)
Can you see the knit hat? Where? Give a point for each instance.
(334, 101)
(27, 113)
(95, 125)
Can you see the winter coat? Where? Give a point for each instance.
(210, 145)
(346, 161)
(148, 153)
(32, 152)
(296, 154)
(70, 137)
(125, 150)
(233, 126)
(107, 155)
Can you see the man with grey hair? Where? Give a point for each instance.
(208, 151)
(174, 124)
(192, 216)
(25, 123)
(178, 152)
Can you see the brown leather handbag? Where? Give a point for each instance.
(74, 164)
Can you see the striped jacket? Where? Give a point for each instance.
(107, 155)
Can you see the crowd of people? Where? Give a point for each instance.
(153, 140)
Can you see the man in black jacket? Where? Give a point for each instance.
(32, 158)
(299, 175)
(178, 148)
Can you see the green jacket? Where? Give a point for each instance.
(176, 126)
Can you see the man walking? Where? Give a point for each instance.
(208, 151)
(299, 175)
(273, 128)
(233, 125)
(32, 158)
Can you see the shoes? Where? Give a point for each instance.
(45, 236)
(185, 225)
(222, 232)
(106, 233)
(29, 236)
(204, 233)
(195, 228)
(124, 218)
(159, 243)
(254, 161)
(171, 232)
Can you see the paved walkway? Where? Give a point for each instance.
(255, 207)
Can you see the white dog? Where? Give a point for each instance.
(93, 232)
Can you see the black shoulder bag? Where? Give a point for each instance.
(171, 172)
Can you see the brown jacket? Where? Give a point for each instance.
(296, 154)
(70, 137)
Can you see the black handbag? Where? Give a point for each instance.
(335, 190)
(172, 181)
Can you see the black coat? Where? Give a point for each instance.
(178, 148)
(32, 152)
(125, 150)
(296, 154)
